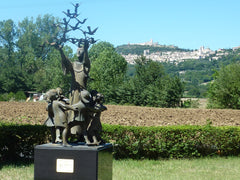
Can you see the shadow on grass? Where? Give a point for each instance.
(16, 162)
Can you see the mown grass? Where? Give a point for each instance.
(182, 169)
(17, 171)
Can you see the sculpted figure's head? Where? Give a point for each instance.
(53, 94)
(83, 46)
(86, 96)
(80, 53)
(97, 97)
(59, 91)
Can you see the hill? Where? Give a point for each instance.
(139, 49)
(194, 67)
(197, 74)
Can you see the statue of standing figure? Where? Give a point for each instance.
(83, 116)
(85, 107)
(57, 115)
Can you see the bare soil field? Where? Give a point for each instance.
(35, 113)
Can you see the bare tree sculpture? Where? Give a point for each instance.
(73, 23)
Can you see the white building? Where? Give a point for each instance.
(170, 56)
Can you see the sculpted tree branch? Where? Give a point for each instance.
(73, 23)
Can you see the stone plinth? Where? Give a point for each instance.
(53, 161)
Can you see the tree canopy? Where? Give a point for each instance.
(153, 87)
(108, 68)
(149, 86)
(224, 91)
(26, 65)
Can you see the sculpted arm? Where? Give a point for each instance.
(67, 107)
(86, 60)
(66, 63)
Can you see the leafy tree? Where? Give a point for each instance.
(35, 59)
(8, 72)
(224, 92)
(174, 88)
(153, 87)
(51, 75)
(96, 49)
(108, 69)
(24, 59)
(149, 76)
(8, 36)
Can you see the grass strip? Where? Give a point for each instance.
(182, 169)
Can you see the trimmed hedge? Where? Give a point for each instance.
(18, 141)
(172, 141)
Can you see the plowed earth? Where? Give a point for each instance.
(35, 113)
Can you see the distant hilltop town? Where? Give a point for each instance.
(176, 56)
(151, 43)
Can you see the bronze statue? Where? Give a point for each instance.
(85, 107)
(79, 70)
(95, 126)
(57, 116)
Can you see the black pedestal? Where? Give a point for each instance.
(55, 162)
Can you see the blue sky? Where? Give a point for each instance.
(183, 23)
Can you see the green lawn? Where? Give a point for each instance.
(195, 169)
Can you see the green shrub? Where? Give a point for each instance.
(4, 97)
(172, 141)
(11, 96)
(18, 141)
(20, 95)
